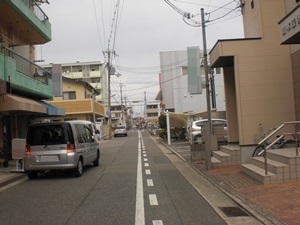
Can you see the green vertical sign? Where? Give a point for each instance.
(194, 76)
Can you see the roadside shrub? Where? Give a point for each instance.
(162, 120)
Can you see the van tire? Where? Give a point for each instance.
(96, 162)
(32, 174)
(79, 168)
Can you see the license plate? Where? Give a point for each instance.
(48, 158)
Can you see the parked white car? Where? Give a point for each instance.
(195, 129)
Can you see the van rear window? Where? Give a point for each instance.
(53, 134)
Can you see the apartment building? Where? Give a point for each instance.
(119, 115)
(174, 85)
(23, 84)
(93, 73)
(153, 111)
(77, 100)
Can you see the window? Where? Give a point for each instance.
(184, 70)
(69, 95)
(84, 133)
(95, 80)
(218, 70)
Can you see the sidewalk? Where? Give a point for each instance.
(278, 203)
(9, 175)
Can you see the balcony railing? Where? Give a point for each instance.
(25, 67)
(32, 5)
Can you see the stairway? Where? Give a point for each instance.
(228, 155)
(282, 165)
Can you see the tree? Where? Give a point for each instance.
(162, 119)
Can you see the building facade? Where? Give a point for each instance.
(174, 85)
(289, 29)
(77, 100)
(23, 84)
(153, 111)
(93, 73)
(119, 115)
(258, 75)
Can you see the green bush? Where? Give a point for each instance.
(162, 120)
(163, 134)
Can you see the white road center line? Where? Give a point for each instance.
(146, 164)
(153, 199)
(139, 204)
(150, 183)
(148, 172)
(157, 222)
(145, 159)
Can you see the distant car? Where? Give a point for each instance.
(120, 131)
(195, 129)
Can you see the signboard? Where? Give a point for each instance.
(194, 76)
(290, 27)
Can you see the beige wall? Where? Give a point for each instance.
(262, 89)
(252, 22)
(290, 5)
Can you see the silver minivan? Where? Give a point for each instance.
(59, 146)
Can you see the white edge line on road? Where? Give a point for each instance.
(139, 205)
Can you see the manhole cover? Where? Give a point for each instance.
(233, 211)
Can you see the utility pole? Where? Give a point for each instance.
(145, 98)
(209, 132)
(109, 71)
(93, 105)
(122, 112)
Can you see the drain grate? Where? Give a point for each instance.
(233, 211)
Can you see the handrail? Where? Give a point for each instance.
(38, 12)
(263, 141)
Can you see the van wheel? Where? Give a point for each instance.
(96, 162)
(32, 174)
(79, 169)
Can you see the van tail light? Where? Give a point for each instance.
(71, 148)
(28, 150)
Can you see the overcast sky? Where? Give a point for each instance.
(81, 30)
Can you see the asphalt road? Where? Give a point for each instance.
(135, 184)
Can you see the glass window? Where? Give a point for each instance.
(69, 95)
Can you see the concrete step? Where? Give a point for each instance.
(258, 174)
(222, 156)
(216, 163)
(287, 156)
(233, 150)
(273, 166)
